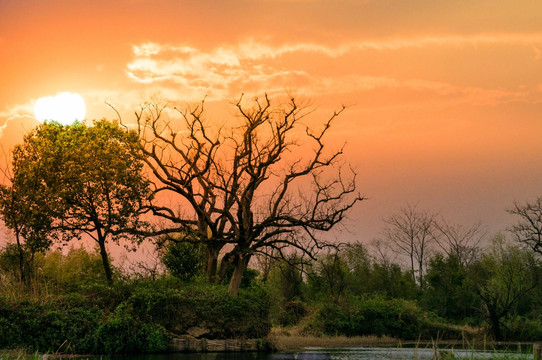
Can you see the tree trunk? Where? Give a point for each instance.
(495, 324)
(412, 264)
(211, 264)
(227, 260)
(240, 264)
(105, 261)
(420, 274)
(21, 258)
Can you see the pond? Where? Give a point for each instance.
(345, 353)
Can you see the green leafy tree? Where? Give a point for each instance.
(287, 278)
(329, 276)
(391, 281)
(77, 267)
(24, 204)
(183, 260)
(449, 292)
(91, 175)
(504, 276)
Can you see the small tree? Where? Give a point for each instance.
(182, 259)
(528, 230)
(91, 178)
(411, 232)
(448, 291)
(24, 207)
(503, 277)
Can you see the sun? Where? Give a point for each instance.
(64, 108)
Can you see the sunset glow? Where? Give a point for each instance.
(64, 108)
(444, 98)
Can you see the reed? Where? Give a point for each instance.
(286, 339)
(20, 354)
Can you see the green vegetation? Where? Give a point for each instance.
(68, 311)
(68, 305)
(73, 181)
(348, 292)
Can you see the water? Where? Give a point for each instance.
(349, 353)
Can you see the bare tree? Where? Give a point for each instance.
(411, 232)
(380, 251)
(265, 262)
(252, 185)
(460, 241)
(528, 230)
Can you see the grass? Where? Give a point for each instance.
(19, 354)
(291, 339)
(283, 339)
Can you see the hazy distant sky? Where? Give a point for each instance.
(446, 96)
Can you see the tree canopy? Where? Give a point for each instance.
(89, 180)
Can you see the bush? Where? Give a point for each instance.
(292, 312)
(523, 329)
(209, 307)
(123, 333)
(183, 260)
(48, 327)
(131, 317)
(376, 316)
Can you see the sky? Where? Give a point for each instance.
(444, 97)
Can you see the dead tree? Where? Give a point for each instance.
(411, 232)
(460, 241)
(264, 182)
(528, 229)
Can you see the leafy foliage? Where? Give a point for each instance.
(183, 260)
(89, 179)
(373, 316)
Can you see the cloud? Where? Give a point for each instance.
(254, 50)
(253, 66)
(17, 121)
(14, 129)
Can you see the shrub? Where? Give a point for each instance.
(134, 317)
(122, 333)
(523, 329)
(183, 260)
(374, 316)
(292, 312)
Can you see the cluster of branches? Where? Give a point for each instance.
(415, 233)
(248, 186)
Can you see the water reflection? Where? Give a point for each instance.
(350, 353)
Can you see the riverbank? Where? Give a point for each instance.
(282, 339)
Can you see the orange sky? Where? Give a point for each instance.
(446, 96)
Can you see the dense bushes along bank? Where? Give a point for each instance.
(66, 306)
(132, 317)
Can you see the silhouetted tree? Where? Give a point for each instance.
(528, 230)
(460, 242)
(249, 184)
(412, 232)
